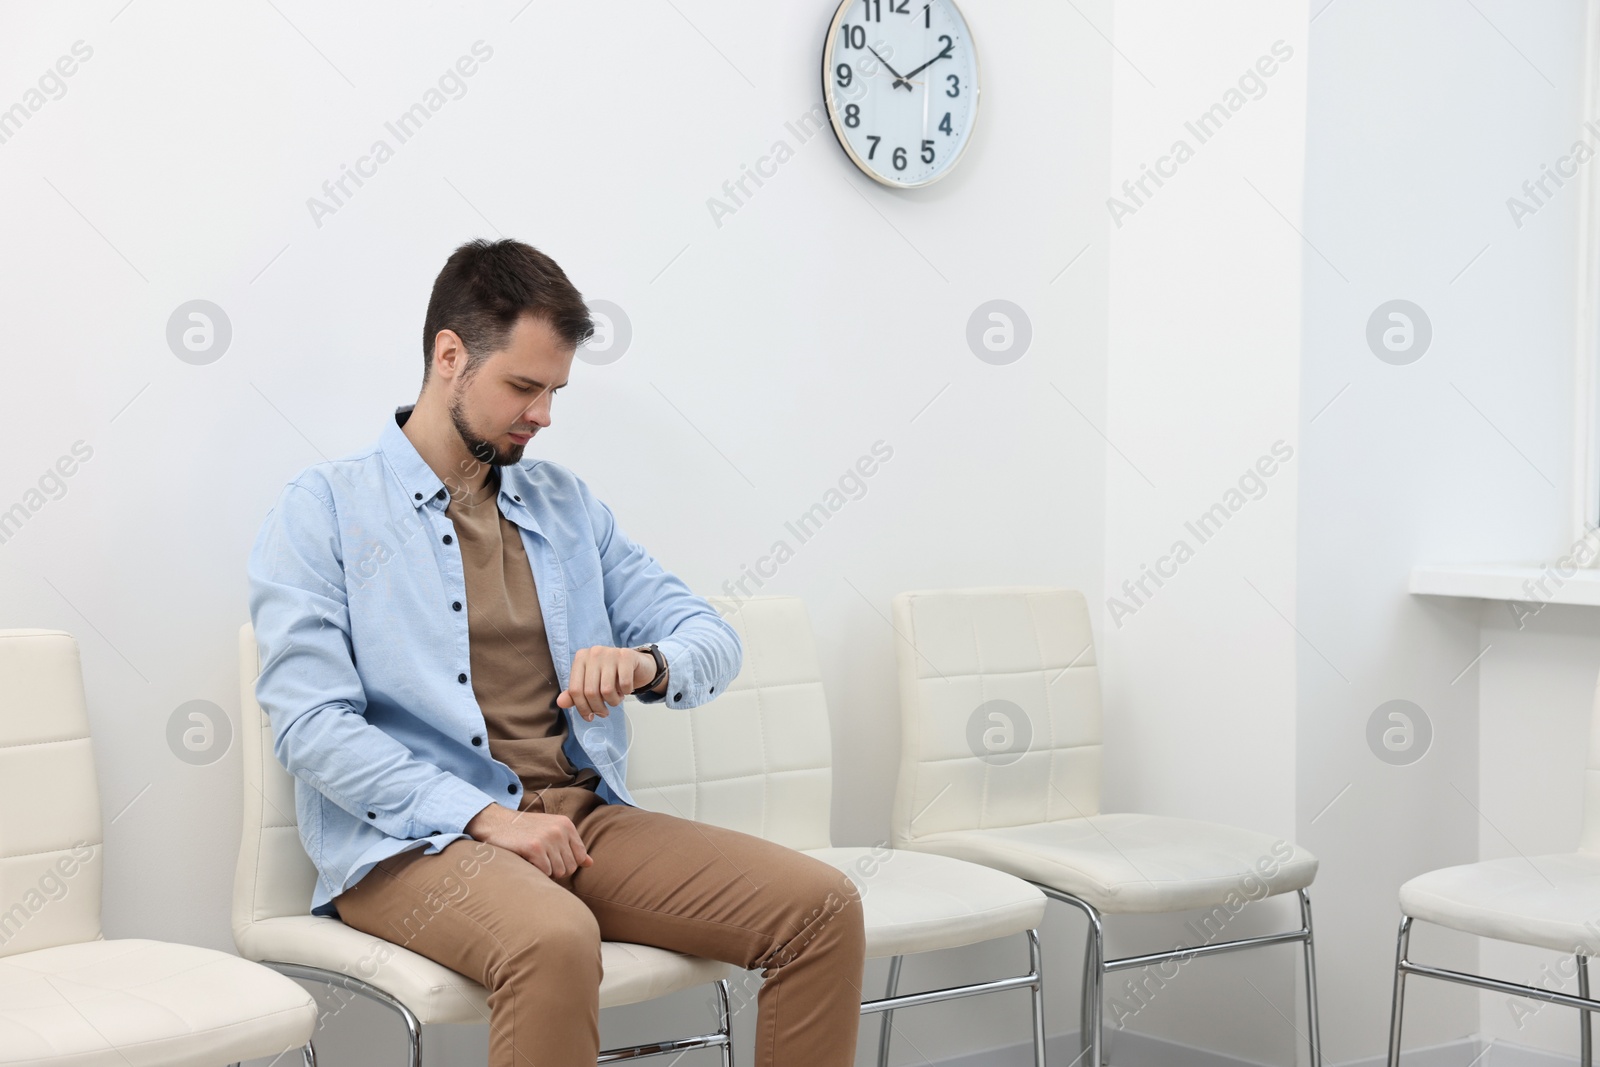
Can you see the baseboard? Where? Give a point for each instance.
(1472, 1052)
(1141, 1050)
(1127, 1050)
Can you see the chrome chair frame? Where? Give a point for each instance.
(308, 1056)
(1096, 967)
(1033, 980)
(722, 1038)
(1403, 967)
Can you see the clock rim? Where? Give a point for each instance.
(830, 42)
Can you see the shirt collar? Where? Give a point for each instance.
(424, 488)
(420, 483)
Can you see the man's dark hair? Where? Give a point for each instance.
(486, 286)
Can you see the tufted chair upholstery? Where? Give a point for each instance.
(68, 995)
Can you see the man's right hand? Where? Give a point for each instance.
(549, 842)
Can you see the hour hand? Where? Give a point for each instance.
(899, 79)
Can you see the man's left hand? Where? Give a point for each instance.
(601, 676)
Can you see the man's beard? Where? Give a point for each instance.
(481, 450)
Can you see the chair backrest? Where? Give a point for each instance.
(999, 709)
(274, 876)
(757, 758)
(51, 840)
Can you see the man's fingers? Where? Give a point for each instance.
(562, 862)
(580, 853)
(575, 684)
(600, 679)
(609, 682)
(537, 857)
(594, 680)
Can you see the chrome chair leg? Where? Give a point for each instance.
(1585, 1036)
(727, 1023)
(1094, 968)
(1312, 1022)
(308, 1055)
(1397, 1009)
(883, 1016)
(1094, 972)
(356, 985)
(1036, 965)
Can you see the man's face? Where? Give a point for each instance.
(507, 399)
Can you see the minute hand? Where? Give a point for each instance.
(942, 55)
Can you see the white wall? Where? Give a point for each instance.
(1202, 382)
(767, 355)
(1423, 119)
(1416, 122)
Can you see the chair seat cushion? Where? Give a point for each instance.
(139, 1003)
(1548, 901)
(918, 902)
(1128, 864)
(436, 993)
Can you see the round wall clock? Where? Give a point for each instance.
(900, 78)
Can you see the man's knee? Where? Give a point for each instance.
(563, 940)
(826, 906)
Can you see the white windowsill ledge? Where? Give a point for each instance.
(1498, 581)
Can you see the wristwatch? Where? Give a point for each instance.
(661, 666)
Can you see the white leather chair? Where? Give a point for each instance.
(758, 759)
(272, 920)
(1548, 901)
(1000, 764)
(67, 995)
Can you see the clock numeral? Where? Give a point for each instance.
(927, 16)
(874, 138)
(844, 74)
(854, 36)
(899, 159)
(900, 7)
(955, 85)
(948, 44)
(852, 115)
(872, 11)
(944, 124)
(927, 151)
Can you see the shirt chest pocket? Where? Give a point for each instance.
(580, 570)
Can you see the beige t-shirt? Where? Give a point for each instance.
(513, 674)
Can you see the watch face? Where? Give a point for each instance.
(901, 81)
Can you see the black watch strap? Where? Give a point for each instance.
(661, 665)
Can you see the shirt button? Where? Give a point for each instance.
(477, 741)
(713, 689)
(677, 696)
(418, 496)
(370, 815)
(439, 495)
(456, 604)
(448, 539)
(461, 678)
(517, 498)
(511, 788)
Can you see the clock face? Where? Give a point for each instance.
(901, 81)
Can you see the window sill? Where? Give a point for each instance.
(1500, 581)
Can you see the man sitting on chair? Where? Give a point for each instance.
(448, 632)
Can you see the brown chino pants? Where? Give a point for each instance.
(534, 941)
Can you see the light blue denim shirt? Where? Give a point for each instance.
(358, 599)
